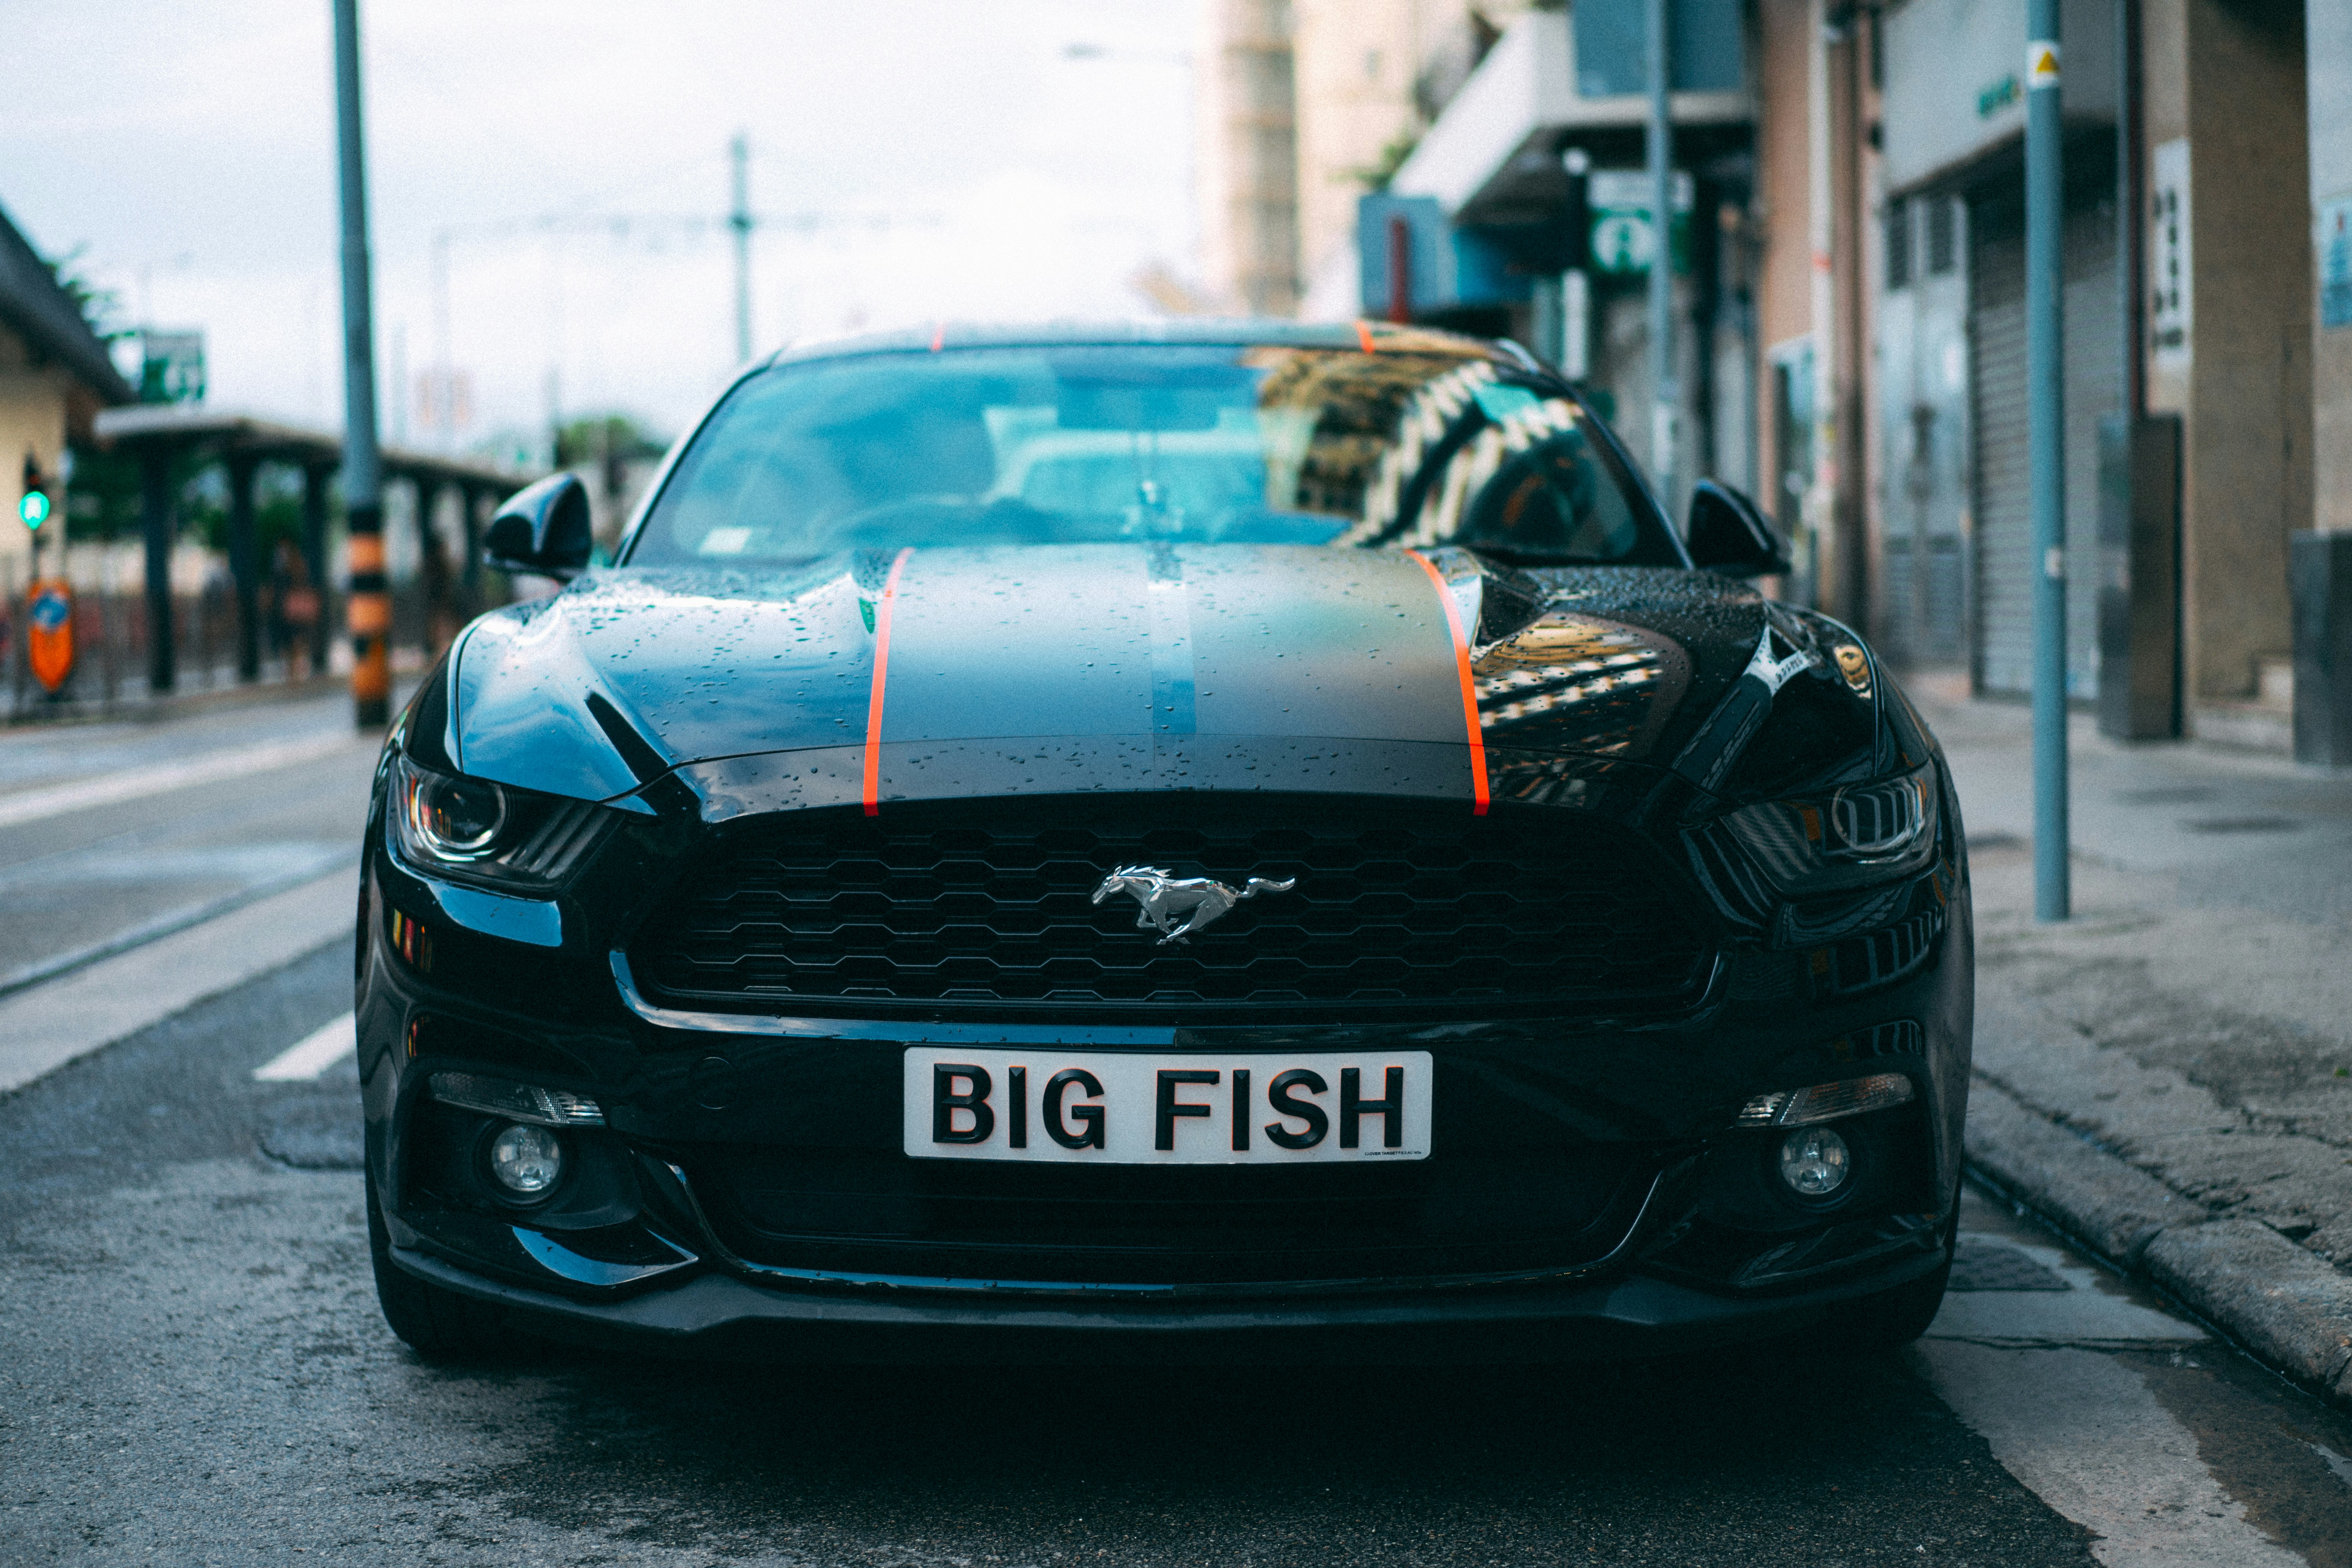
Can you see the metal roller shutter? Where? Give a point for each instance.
(2004, 531)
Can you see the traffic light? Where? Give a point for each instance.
(35, 508)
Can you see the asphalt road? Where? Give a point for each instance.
(121, 829)
(193, 1370)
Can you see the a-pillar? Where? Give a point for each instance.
(159, 521)
(314, 558)
(243, 565)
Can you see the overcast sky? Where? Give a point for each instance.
(959, 163)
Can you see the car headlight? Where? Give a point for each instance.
(452, 818)
(1854, 837)
(491, 834)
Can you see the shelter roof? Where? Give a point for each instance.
(233, 432)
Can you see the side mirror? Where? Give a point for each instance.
(1729, 535)
(541, 529)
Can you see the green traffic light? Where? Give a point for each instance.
(33, 508)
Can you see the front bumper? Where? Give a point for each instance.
(717, 1314)
(649, 1268)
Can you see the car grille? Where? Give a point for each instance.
(990, 904)
(854, 1212)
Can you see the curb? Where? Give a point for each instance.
(2286, 1306)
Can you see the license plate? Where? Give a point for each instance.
(1123, 1108)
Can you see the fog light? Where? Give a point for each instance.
(527, 1160)
(1815, 1162)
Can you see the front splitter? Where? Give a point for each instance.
(717, 1315)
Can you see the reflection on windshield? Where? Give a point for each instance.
(1426, 443)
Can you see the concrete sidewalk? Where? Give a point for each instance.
(2168, 1076)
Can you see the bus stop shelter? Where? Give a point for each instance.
(161, 435)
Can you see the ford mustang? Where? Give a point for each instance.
(1226, 840)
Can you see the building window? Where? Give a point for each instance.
(1898, 243)
(1943, 230)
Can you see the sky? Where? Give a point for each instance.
(910, 159)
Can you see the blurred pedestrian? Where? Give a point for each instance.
(293, 608)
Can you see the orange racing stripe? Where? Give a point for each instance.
(881, 673)
(1469, 687)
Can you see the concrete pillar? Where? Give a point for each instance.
(2329, 71)
(159, 521)
(244, 566)
(2321, 562)
(2226, 140)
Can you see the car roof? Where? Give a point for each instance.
(1172, 332)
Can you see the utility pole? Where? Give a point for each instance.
(2045, 377)
(369, 604)
(1658, 57)
(739, 220)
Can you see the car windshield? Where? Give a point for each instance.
(1264, 444)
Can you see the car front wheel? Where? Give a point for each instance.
(437, 1323)
(1894, 1318)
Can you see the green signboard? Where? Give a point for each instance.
(1623, 238)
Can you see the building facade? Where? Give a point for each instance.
(55, 375)
(1849, 309)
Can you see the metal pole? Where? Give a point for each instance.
(369, 607)
(1658, 57)
(1399, 270)
(2045, 374)
(739, 220)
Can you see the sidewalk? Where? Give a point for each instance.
(2168, 1075)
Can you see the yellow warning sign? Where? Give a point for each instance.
(2041, 64)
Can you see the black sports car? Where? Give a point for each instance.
(1232, 840)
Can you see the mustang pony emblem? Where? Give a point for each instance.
(1167, 900)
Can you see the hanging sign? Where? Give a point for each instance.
(49, 631)
(1624, 237)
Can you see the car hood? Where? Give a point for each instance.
(1125, 665)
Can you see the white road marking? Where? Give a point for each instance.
(50, 1025)
(2083, 1431)
(2080, 1428)
(312, 1055)
(134, 783)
